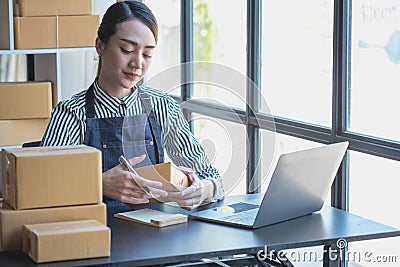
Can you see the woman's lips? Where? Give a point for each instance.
(132, 76)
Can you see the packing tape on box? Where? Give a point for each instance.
(7, 185)
(57, 31)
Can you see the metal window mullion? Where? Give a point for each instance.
(187, 54)
(340, 106)
(253, 96)
(30, 67)
(372, 145)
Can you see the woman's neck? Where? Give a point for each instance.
(115, 91)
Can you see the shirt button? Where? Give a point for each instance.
(104, 146)
(151, 143)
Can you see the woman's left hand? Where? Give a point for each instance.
(200, 191)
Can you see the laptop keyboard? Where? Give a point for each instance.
(241, 206)
(245, 213)
(244, 217)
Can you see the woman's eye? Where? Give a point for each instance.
(126, 51)
(147, 56)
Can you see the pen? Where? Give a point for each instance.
(126, 163)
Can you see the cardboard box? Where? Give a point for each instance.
(25, 100)
(48, 242)
(77, 31)
(11, 221)
(171, 177)
(37, 8)
(43, 177)
(35, 32)
(55, 32)
(17, 132)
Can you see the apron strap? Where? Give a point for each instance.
(89, 101)
(154, 125)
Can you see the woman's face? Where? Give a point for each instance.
(126, 58)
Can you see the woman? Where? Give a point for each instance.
(119, 117)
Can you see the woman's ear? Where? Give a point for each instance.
(99, 46)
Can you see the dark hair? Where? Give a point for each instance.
(124, 11)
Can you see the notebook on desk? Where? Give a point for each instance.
(298, 186)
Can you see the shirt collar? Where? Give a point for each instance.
(112, 103)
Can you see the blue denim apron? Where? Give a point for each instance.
(130, 136)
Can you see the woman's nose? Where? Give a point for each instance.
(136, 61)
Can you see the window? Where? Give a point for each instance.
(375, 68)
(167, 53)
(225, 146)
(13, 68)
(297, 59)
(215, 41)
(373, 193)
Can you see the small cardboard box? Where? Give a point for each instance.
(37, 8)
(11, 221)
(69, 240)
(44, 177)
(35, 32)
(55, 32)
(25, 100)
(77, 31)
(170, 176)
(17, 132)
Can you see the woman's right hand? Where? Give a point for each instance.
(119, 184)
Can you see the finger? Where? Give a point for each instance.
(125, 191)
(152, 188)
(158, 192)
(176, 195)
(191, 190)
(139, 195)
(147, 182)
(133, 200)
(128, 196)
(186, 170)
(128, 182)
(191, 178)
(136, 160)
(189, 204)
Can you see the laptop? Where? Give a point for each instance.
(298, 186)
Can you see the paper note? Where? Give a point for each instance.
(152, 217)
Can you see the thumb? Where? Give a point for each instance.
(136, 160)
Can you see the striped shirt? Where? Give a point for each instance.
(68, 125)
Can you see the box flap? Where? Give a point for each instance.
(170, 176)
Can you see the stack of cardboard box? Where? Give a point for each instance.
(54, 24)
(52, 207)
(25, 110)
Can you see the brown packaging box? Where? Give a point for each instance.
(25, 100)
(77, 31)
(69, 240)
(171, 177)
(43, 177)
(11, 221)
(37, 8)
(55, 32)
(35, 32)
(17, 132)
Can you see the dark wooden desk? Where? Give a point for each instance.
(141, 245)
